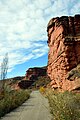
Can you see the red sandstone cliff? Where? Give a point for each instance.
(34, 78)
(33, 73)
(64, 52)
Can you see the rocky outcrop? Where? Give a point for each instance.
(33, 78)
(64, 51)
(25, 84)
(33, 73)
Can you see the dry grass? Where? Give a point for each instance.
(12, 100)
(64, 106)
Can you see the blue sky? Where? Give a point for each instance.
(23, 35)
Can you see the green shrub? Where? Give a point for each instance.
(64, 106)
(12, 100)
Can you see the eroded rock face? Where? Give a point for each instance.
(64, 51)
(33, 73)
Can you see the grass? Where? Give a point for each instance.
(64, 106)
(12, 100)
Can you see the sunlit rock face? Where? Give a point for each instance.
(64, 52)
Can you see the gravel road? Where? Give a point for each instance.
(36, 108)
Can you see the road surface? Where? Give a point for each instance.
(35, 108)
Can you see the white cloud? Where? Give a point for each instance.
(76, 9)
(23, 25)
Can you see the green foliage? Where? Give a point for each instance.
(12, 100)
(64, 106)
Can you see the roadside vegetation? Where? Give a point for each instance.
(10, 100)
(64, 106)
(42, 89)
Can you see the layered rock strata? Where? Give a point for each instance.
(64, 51)
(33, 73)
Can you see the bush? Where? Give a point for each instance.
(42, 89)
(12, 100)
(64, 106)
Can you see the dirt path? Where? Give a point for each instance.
(36, 108)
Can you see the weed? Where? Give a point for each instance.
(64, 106)
(42, 89)
(12, 100)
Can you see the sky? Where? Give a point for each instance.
(23, 35)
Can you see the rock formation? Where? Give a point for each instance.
(34, 78)
(33, 73)
(25, 84)
(64, 52)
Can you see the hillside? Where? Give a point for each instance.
(34, 78)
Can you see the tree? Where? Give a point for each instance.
(4, 68)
